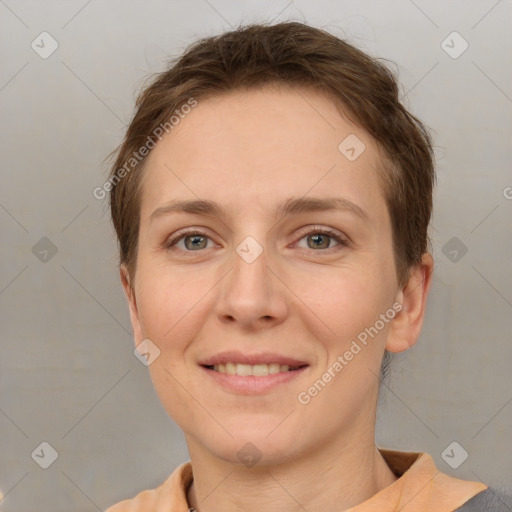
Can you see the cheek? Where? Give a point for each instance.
(335, 304)
(171, 311)
(168, 301)
(342, 302)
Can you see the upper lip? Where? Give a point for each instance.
(240, 358)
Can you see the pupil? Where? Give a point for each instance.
(317, 237)
(195, 239)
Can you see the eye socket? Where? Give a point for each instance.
(197, 234)
(322, 233)
(184, 235)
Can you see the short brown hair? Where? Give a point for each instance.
(294, 54)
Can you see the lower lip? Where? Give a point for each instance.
(252, 385)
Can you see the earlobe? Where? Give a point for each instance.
(132, 304)
(405, 328)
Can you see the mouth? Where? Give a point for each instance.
(252, 374)
(256, 370)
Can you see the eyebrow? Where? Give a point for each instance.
(288, 207)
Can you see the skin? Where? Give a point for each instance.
(250, 151)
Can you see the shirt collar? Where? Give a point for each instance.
(420, 487)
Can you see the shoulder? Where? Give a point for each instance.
(170, 495)
(145, 500)
(490, 500)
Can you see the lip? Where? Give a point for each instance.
(251, 384)
(261, 358)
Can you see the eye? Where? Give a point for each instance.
(193, 240)
(318, 237)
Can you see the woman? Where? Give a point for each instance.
(271, 199)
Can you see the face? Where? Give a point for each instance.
(279, 283)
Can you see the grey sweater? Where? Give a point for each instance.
(490, 500)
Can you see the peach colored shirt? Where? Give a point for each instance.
(420, 487)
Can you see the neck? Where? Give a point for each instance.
(336, 477)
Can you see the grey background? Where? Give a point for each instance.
(68, 373)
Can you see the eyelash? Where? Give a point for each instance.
(315, 230)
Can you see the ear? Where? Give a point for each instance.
(132, 304)
(405, 328)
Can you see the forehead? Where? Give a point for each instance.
(250, 148)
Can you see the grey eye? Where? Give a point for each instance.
(319, 240)
(196, 242)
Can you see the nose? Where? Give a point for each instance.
(251, 294)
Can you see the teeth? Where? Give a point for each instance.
(258, 370)
(274, 368)
(243, 369)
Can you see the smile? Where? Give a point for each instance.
(257, 370)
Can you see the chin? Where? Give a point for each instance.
(251, 447)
